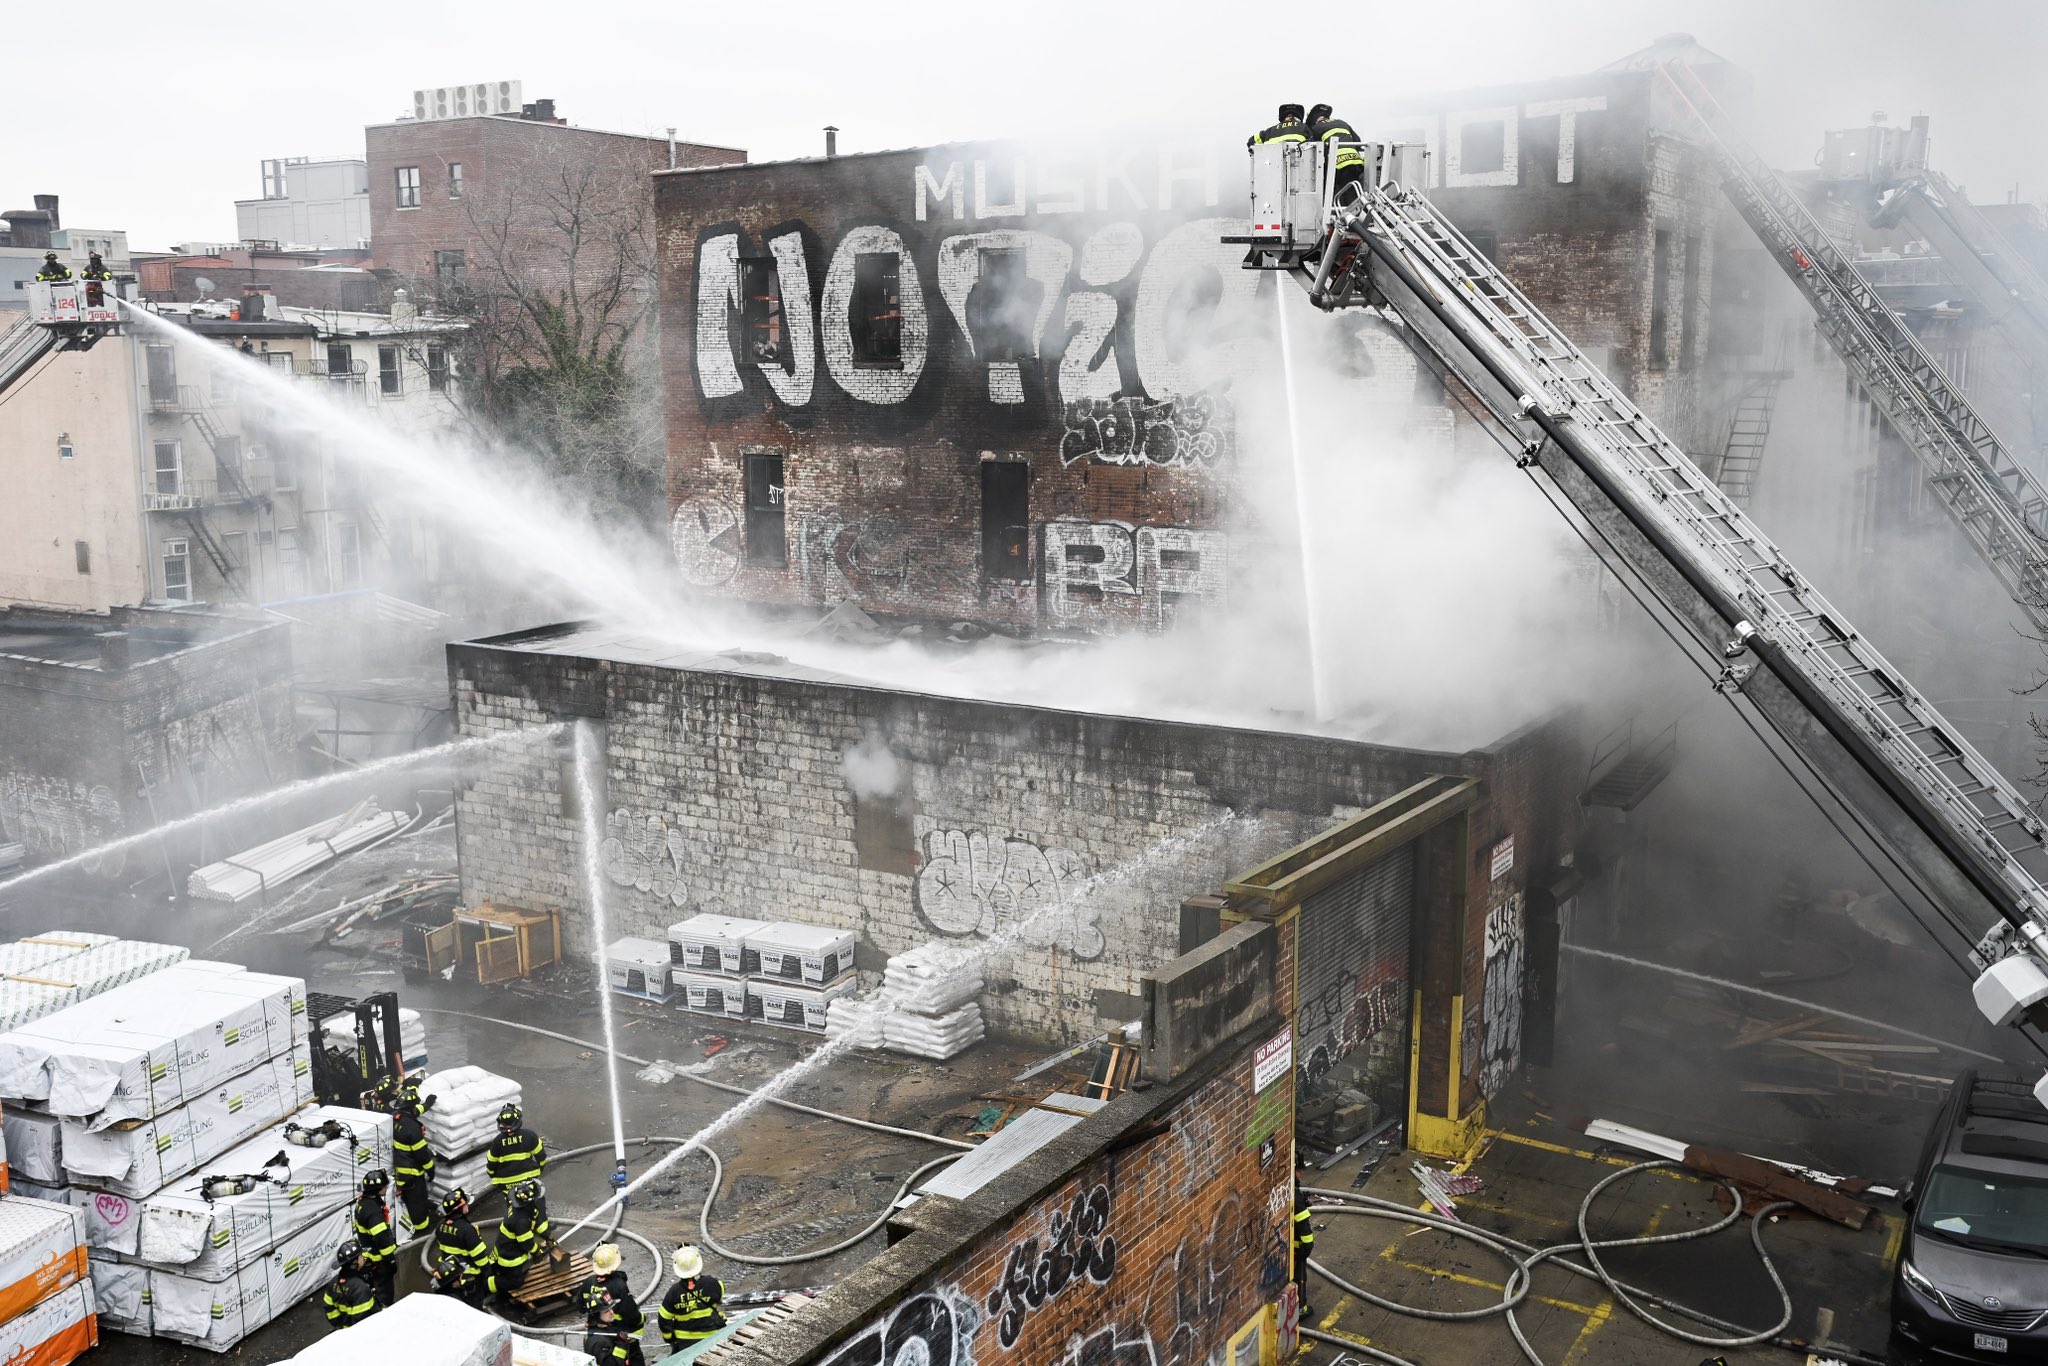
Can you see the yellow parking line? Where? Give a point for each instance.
(1481, 1283)
(1343, 1303)
(1587, 1155)
(1894, 1239)
(1583, 1342)
(1351, 1338)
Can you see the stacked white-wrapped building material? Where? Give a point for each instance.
(461, 1124)
(46, 972)
(419, 1330)
(639, 967)
(927, 1005)
(267, 866)
(46, 1301)
(715, 944)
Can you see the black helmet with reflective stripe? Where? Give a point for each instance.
(347, 1253)
(508, 1118)
(455, 1201)
(1318, 113)
(374, 1182)
(1290, 111)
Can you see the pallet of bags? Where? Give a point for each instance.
(464, 1116)
(42, 1250)
(149, 1046)
(142, 1159)
(419, 1330)
(639, 968)
(806, 954)
(469, 1171)
(857, 1020)
(61, 1329)
(792, 1005)
(218, 1314)
(932, 979)
(938, 1037)
(304, 1168)
(704, 993)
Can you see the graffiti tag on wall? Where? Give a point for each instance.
(1077, 1247)
(55, 818)
(1501, 1051)
(1189, 430)
(646, 853)
(932, 1329)
(972, 883)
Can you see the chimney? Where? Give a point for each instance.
(114, 656)
(255, 303)
(48, 204)
(831, 141)
(671, 149)
(403, 313)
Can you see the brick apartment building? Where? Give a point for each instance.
(970, 381)
(440, 186)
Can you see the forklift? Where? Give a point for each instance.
(345, 1077)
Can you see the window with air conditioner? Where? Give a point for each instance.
(177, 571)
(408, 187)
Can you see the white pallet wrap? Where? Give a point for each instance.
(35, 1146)
(24, 1002)
(534, 1352)
(802, 953)
(60, 1329)
(218, 1314)
(468, 1172)
(706, 994)
(122, 1293)
(42, 1250)
(465, 1113)
(106, 966)
(419, 1330)
(714, 943)
(36, 1190)
(178, 1229)
(145, 1048)
(936, 1037)
(638, 967)
(793, 1005)
(139, 1161)
(26, 955)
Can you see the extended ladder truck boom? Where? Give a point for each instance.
(1934, 807)
(1996, 501)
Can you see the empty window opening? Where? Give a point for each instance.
(387, 370)
(1006, 521)
(1660, 300)
(82, 553)
(408, 187)
(1483, 148)
(1688, 312)
(163, 374)
(877, 309)
(1002, 307)
(451, 272)
(766, 506)
(761, 311)
(177, 571)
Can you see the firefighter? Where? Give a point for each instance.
(517, 1154)
(1304, 1244)
(692, 1310)
(349, 1299)
(383, 1097)
(523, 1234)
(95, 268)
(1290, 128)
(413, 1163)
(1338, 139)
(611, 1280)
(53, 269)
(465, 1256)
(607, 1338)
(378, 1242)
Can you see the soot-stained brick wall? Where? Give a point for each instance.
(201, 712)
(1147, 1235)
(731, 792)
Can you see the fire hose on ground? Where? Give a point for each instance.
(1524, 1258)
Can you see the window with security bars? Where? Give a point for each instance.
(177, 571)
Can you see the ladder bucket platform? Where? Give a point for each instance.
(81, 311)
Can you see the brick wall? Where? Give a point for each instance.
(1148, 1235)
(729, 792)
(201, 724)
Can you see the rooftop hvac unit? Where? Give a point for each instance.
(462, 101)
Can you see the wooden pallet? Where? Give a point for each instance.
(728, 1345)
(552, 1283)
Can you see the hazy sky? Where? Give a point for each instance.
(162, 129)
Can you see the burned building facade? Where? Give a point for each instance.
(1010, 385)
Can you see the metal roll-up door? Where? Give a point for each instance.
(1354, 995)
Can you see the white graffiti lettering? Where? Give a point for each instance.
(1088, 565)
(1501, 1052)
(873, 384)
(644, 852)
(972, 883)
(55, 817)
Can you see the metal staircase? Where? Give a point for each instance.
(1628, 763)
(1919, 794)
(195, 520)
(1742, 455)
(2000, 506)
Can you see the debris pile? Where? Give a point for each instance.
(256, 871)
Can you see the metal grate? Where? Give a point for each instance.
(1353, 973)
(2005, 1320)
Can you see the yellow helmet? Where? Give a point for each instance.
(687, 1262)
(604, 1258)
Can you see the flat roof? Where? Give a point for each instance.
(564, 125)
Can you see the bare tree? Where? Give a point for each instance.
(559, 356)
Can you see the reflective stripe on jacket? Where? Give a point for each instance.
(690, 1312)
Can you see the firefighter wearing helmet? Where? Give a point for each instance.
(349, 1298)
(375, 1236)
(693, 1309)
(517, 1154)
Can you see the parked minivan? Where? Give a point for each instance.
(1972, 1278)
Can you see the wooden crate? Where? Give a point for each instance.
(506, 943)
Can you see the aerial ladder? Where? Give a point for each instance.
(62, 315)
(1998, 503)
(1920, 796)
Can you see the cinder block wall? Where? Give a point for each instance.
(727, 792)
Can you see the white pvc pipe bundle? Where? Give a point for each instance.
(267, 865)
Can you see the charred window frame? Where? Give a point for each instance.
(1000, 310)
(761, 312)
(766, 504)
(876, 320)
(1660, 299)
(1689, 306)
(1005, 521)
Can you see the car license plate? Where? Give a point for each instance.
(1986, 1342)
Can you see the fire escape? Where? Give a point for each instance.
(189, 499)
